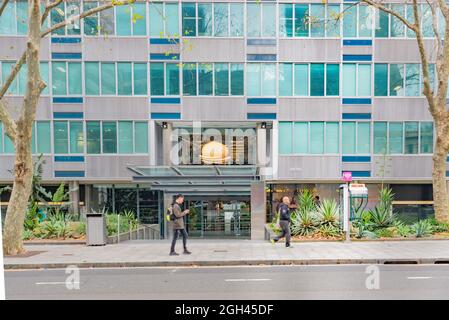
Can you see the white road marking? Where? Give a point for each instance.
(419, 278)
(245, 280)
(50, 283)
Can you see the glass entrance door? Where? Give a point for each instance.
(226, 217)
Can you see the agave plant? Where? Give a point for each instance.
(381, 218)
(328, 213)
(422, 228)
(304, 224)
(386, 197)
(329, 231)
(306, 202)
(402, 229)
(361, 231)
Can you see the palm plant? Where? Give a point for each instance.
(328, 213)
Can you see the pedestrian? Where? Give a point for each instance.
(317, 201)
(284, 222)
(178, 225)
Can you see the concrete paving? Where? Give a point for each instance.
(231, 252)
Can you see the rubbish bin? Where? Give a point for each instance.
(96, 229)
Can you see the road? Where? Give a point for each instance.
(230, 283)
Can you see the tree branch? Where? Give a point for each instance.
(8, 122)
(391, 12)
(48, 8)
(2, 8)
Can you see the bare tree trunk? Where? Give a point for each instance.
(18, 203)
(440, 195)
(23, 166)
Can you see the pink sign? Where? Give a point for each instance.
(347, 176)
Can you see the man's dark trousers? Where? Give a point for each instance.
(285, 226)
(176, 233)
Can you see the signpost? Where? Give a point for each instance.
(347, 177)
(2, 269)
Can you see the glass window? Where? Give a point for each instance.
(380, 79)
(349, 21)
(268, 79)
(43, 137)
(8, 19)
(253, 84)
(75, 78)
(411, 137)
(332, 137)
(22, 80)
(172, 80)
(204, 19)
(237, 79)
(426, 20)
(382, 19)
(301, 20)
(1, 137)
(73, 8)
(22, 17)
(285, 137)
(205, 77)
(348, 138)
(108, 78)
(332, 79)
(365, 21)
(107, 22)
(57, 15)
(123, 20)
(92, 78)
(140, 79)
(268, 19)
(253, 16)
(125, 133)
(285, 79)
(93, 132)
(156, 20)
(317, 84)
(333, 20)
(157, 78)
(396, 26)
(90, 22)
(396, 79)
(396, 138)
(221, 20)
(109, 137)
(317, 137)
(171, 19)
(363, 137)
(221, 79)
(8, 145)
(189, 79)
(380, 137)
(76, 137)
(301, 79)
(301, 138)
(364, 80)
(141, 137)
(124, 78)
(411, 18)
(285, 20)
(349, 79)
(59, 78)
(426, 137)
(317, 18)
(412, 82)
(236, 19)
(6, 70)
(188, 19)
(61, 137)
(139, 19)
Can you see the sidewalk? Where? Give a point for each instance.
(230, 252)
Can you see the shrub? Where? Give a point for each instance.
(304, 224)
(381, 218)
(360, 230)
(384, 233)
(329, 231)
(27, 235)
(403, 230)
(422, 228)
(328, 213)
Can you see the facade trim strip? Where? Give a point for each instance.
(261, 57)
(261, 101)
(164, 41)
(357, 57)
(68, 100)
(166, 100)
(166, 115)
(69, 158)
(357, 42)
(65, 40)
(359, 174)
(163, 56)
(352, 101)
(66, 55)
(356, 159)
(69, 174)
(68, 115)
(261, 116)
(356, 116)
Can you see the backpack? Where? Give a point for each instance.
(170, 214)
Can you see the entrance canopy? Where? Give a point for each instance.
(201, 179)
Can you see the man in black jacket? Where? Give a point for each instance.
(284, 221)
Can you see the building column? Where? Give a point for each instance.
(168, 199)
(74, 196)
(258, 210)
(152, 142)
(261, 146)
(88, 197)
(167, 144)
